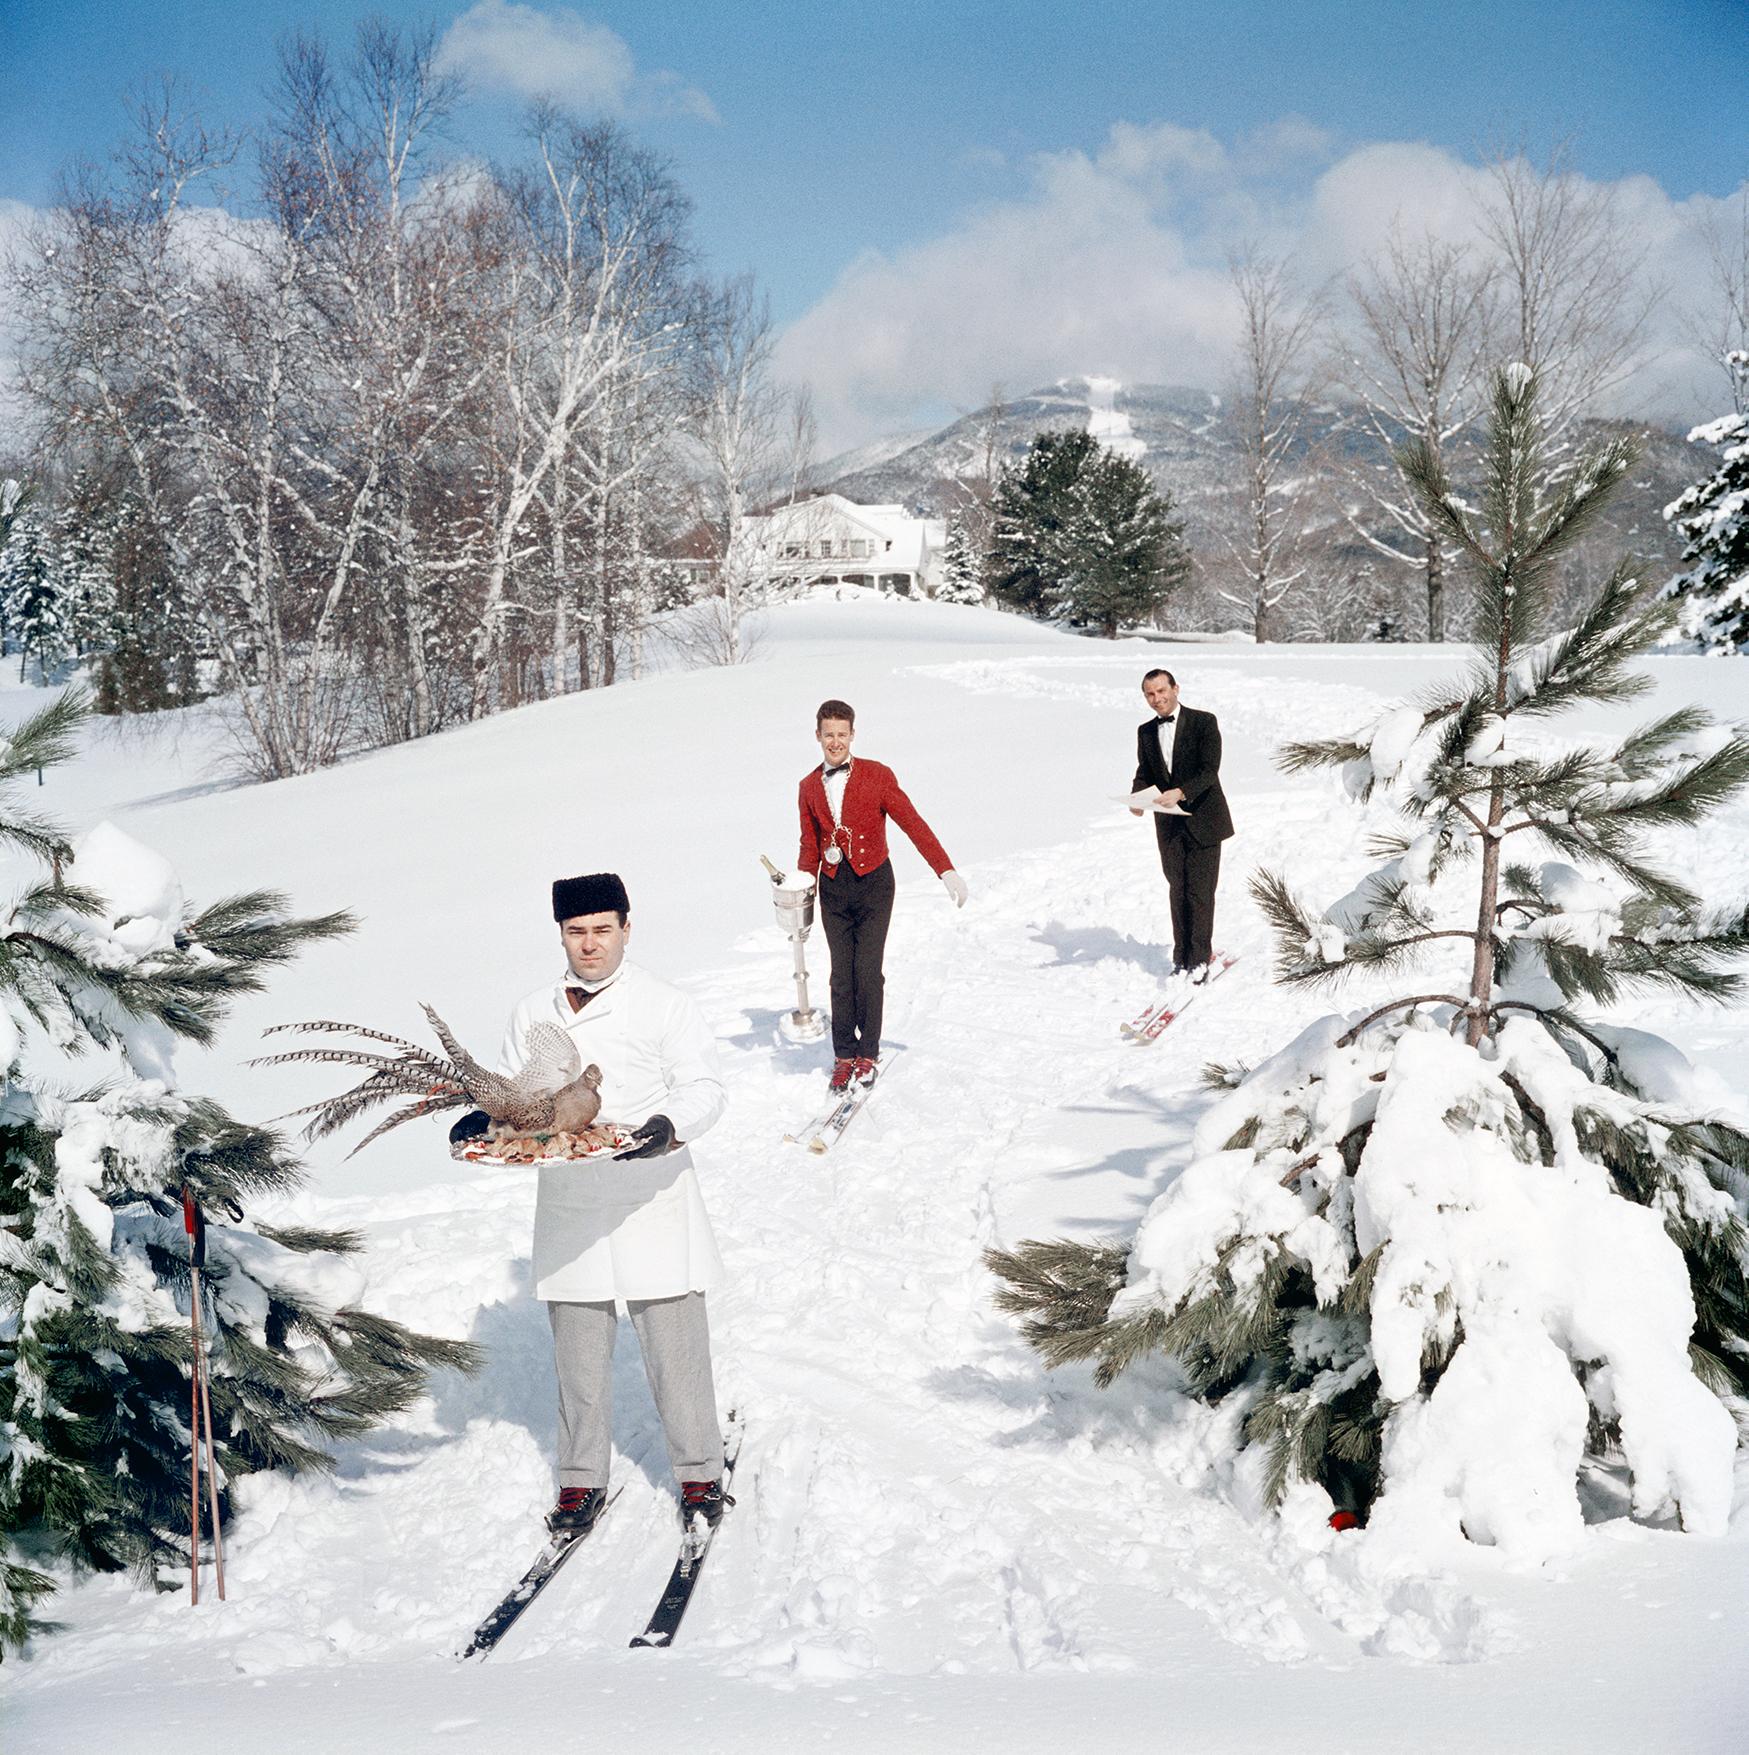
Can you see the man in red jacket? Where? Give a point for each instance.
(845, 805)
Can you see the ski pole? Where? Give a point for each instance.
(194, 1222)
(193, 1415)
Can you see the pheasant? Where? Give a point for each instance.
(551, 1094)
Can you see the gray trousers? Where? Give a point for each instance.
(676, 1343)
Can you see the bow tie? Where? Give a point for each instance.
(842, 768)
(579, 996)
(1164, 718)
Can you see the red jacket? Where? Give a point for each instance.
(871, 795)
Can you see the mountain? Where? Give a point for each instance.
(1187, 444)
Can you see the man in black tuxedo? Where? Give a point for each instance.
(1178, 750)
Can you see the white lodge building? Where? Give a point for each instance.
(830, 540)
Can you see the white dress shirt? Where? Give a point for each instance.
(1168, 736)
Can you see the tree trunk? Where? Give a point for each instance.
(1482, 969)
(561, 593)
(1435, 570)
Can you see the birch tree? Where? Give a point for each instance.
(583, 227)
(1422, 312)
(739, 413)
(1279, 336)
(1575, 294)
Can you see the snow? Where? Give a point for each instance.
(142, 898)
(937, 1546)
(1112, 429)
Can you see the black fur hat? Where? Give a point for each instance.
(601, 892)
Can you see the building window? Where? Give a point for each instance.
(858, 550)
(825, 548)
(792, 551)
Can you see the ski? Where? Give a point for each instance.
(833, 1131)
(815, 1131)
(1154, 1026)
(695, 1545)
(828, 1128)
(530, 1585)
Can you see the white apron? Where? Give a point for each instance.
(613, 1230)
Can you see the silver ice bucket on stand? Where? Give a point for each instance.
(795, 915)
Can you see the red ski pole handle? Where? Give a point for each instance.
(194, 1223)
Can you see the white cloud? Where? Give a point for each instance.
(557, 53)
(1114, 262)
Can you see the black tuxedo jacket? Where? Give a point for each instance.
(1196, 771)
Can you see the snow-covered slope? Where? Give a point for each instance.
(937, 1546)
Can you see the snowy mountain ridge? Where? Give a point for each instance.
(1182, 436)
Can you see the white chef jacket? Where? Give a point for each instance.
(608, 1229)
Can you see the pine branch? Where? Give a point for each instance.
(1349, 1037)
(253, 932)
(46, 739)
(1062, 1291)
(1336, 752)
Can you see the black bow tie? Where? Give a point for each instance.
(842, 768)
(1164, 718)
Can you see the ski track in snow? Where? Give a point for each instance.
(916, 1496)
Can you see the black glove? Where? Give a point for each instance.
(470, 1127)
(652, 1140)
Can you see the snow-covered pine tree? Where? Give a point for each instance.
(103, 967)
(1123, 553)
(1034, 499)
(962, 570)
(1712, 592)
(32, 600)
(82, 543)
(1437, 1254)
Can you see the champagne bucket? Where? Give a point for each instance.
(795, 912)
(795, 917)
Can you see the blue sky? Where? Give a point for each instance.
(822, 141)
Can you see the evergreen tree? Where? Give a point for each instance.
(1713, 591)
(82, 546)
(35, 607)
(1081, 535)
(150, 657)
(962, 580)
(1123, 553)
(1438, 1251)
(1034, 500)
(103, 968)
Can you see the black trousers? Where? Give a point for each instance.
(855, 912)
(1192, 871)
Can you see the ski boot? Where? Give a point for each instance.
(577, 1510)
(704, 1499)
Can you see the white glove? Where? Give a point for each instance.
(955, 885)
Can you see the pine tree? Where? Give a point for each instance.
(81, 541)
(31, 593)
(1440, 1250)
(1080, 534)
(1034, 500)
(1713, 591)
(962, 580)
(103, 968)
(1123, 553)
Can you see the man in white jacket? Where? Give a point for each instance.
(629, 1231)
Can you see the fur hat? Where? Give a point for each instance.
(601, 892)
